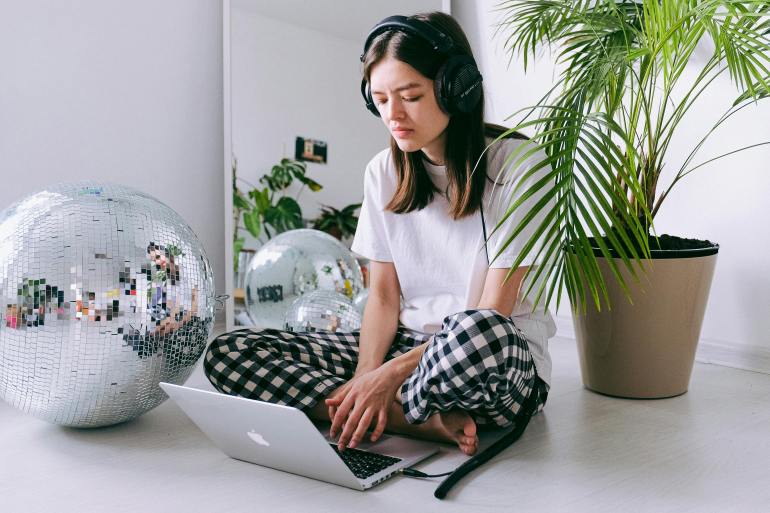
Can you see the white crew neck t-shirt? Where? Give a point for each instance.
(440, 262)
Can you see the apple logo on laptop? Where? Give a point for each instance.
(259, 439)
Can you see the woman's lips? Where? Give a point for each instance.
(402, 132)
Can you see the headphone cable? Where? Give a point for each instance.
(411, 472)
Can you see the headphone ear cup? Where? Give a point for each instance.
(366, 93)
(439, 87)
(458, 85)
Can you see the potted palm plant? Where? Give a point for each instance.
(338, 223)
(628, 79)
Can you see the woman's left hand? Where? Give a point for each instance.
(366, 400)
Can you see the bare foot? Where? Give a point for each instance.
(458, 426)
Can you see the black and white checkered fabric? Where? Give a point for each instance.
(479, 362)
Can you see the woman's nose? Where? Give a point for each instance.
(395, 110)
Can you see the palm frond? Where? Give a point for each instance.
(592, 169)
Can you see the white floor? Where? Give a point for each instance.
(706, 451)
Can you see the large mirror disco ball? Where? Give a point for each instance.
(322, 310)
(359, 302)
(292, 264)
(105, 292)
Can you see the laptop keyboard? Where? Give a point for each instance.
(363, 463)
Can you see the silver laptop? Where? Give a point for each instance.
(284, 438)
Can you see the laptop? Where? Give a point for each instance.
(284, 438)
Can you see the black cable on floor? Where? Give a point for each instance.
(487, 454)
(416, 473)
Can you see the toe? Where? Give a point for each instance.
(469, 427)
(467, 445)
(468, 440)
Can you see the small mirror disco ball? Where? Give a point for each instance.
(292, 264)
(322, 310)
(105, 292)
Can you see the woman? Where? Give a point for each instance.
(451, 359)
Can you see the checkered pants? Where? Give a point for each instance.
(478, 362)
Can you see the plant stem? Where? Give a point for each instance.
(684, 107)
(682, 175)
(296, 198)
(236, 218)
(724, 155)
(247, 183)
(681, 172)
(724, 118)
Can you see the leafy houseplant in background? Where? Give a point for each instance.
(266, 211)
(338, 223)
(628, 80)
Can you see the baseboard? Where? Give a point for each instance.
(738, 356)
(716, 352)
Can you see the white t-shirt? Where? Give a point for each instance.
(440, 262)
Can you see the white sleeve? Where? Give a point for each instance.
(370, 240)
(501, 198)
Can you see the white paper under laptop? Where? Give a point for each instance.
(284, 438)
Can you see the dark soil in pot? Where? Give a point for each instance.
(669, 246)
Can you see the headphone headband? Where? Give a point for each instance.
(439, 41)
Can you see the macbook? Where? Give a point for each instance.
(284, 438)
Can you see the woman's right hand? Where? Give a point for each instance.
(366, 401)
(342, 391)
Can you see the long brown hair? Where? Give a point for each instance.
(465, 132)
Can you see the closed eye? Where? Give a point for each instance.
(380, 101)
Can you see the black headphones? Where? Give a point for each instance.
(458, 81)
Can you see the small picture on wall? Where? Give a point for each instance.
(311, 150)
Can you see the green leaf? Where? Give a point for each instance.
(296, 167)
(253, 222)
(261, 199)
(311, 184)
(285, 215)
(756, 94)
(240, 202)
(237, 247)
(323, 224)
(351, 209)
(269, 181)
(279, 178)
(343, 220)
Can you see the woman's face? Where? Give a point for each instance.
(408, 107)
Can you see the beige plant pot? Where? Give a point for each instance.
(646, 349)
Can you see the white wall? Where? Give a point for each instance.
(725, 202)
(290, 81)
(124, 92)
(132, 93)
